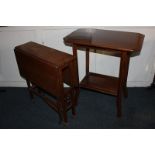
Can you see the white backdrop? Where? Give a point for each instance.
(141, 68)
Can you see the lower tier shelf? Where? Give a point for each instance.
(100, 83)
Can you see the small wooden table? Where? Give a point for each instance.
(45, 71)
(122, 44)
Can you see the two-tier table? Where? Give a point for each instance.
(122, 44)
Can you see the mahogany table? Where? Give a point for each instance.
(122, 44)
(45, 71)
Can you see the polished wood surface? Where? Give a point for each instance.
(45, 71)
(48, 55)
(101, 83)
(116, 43)
(106, 39)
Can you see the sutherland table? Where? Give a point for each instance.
(122, 44)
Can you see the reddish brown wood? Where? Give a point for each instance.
(121, 83)
(76, 72)
(116, 43)
(29, 87)
(87, 61)
(106, 39)
(101, 83)
(46, 70)
(126, 67)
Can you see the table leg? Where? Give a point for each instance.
(76, 64)
(126, 68)
(62, 107)
(87, 61)
(74, 93)
(29, 87)
(76, 72)
(122, 80)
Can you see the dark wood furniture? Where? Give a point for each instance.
(46, 70)
(122, 44)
